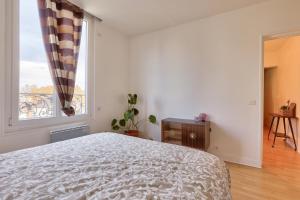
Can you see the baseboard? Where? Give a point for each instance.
(239, 160)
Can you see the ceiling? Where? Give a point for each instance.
(134, 17)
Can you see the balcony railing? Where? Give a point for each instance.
(39, 105)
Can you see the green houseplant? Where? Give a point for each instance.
(130, 122)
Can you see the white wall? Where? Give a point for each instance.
(2, 46)
(111, 83)
(214, 66)
(111, 75)
(288, 77)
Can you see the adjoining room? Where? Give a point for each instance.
(281, 103)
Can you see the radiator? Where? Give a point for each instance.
(69, 133)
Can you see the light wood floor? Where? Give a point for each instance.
(278, 179)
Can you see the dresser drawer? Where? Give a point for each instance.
(186, 132)
(193, 136)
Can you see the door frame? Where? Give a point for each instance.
(263, 38)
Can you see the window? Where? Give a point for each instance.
(36, 92)
(37, 97)
(33, 94)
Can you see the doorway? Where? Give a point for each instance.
(281, 92)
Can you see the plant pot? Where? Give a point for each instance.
(134, 133)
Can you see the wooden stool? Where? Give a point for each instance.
(284, 135)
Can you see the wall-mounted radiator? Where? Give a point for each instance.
(69, 133)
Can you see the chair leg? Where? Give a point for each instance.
(284, 128)
(271, 127)
(278, 119)
(292, 133)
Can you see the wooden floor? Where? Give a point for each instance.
(278, 179)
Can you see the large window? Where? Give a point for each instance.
(36, 94)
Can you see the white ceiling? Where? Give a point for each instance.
(134, 17)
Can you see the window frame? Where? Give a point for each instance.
(12, 121)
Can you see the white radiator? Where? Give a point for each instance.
(69, 133)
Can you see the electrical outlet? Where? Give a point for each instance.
(252, 103)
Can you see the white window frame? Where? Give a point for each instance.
(12, 121)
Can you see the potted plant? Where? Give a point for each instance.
(285, 109)
(130, 122)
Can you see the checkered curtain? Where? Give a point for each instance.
(61, 24)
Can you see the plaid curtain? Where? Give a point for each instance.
(61, 24)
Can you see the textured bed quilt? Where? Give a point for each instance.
(112, 166)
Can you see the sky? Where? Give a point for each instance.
(33, 61)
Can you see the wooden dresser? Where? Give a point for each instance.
(186, 132)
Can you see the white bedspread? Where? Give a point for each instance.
(112, 166)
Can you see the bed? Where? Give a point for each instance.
(112, 166)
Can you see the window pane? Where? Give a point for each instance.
(36, 97)
(79, 99)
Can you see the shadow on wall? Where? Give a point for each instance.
(271, 101)
(220, 137)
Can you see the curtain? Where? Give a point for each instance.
(61, 24)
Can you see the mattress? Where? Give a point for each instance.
(112, 166)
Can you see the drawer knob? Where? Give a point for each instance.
(193, 135)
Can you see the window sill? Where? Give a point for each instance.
(23, 125)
